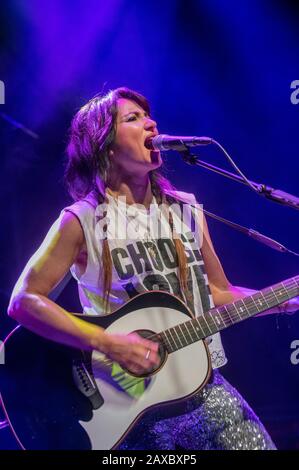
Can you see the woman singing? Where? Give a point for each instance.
(104, 238)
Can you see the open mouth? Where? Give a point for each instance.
(147, 143)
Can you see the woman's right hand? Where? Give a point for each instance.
(132, 352)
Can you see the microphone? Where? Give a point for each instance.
(175, 142)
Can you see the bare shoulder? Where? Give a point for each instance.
(70, 227)
(65, 236)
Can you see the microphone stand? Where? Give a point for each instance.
(275, 245)
(270, 193)
(276, 195)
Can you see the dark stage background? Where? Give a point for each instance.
(208, 67)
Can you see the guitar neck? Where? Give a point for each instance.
(218, 319)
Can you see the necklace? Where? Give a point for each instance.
(132, 219)
(151, 243)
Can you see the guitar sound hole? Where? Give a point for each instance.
(148, 334)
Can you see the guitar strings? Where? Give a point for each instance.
(225, 314)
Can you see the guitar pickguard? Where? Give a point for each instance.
(116, 377)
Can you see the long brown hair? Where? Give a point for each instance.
(92, 133)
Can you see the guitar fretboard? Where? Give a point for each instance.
(218, 319)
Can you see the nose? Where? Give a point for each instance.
(150, 123)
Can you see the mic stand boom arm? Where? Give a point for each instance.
(268, 192)
(194, 160)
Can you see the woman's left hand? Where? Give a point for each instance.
(289, 307)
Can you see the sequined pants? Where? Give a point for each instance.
(221, 421)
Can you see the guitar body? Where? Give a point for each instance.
(56, 397)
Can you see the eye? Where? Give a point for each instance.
(133, 117)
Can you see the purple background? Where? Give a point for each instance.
(208, 67)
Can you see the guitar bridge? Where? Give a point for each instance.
(86, 384)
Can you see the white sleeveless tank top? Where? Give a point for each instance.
(143, 255)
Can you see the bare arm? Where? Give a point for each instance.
(30, 306)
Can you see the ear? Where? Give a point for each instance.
(111, 153)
